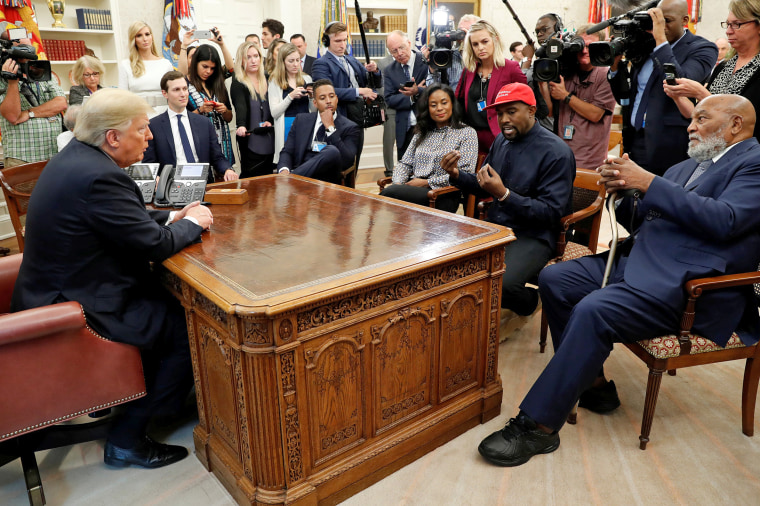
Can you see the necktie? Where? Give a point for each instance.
(321, 134)
(406, 73)
(701, 168)
(185, 141)
(350, 73)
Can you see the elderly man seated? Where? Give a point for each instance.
(700, 219)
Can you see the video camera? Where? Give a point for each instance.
(33, 70)
(558, 56)
(444, 39)
(635, 41)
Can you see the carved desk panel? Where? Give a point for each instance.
(336, 336)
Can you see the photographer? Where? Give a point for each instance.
(30, 114)
(654, 131)
(454, 72)
(548, 26)
(584, 114)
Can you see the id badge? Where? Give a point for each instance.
(481, 105)
(262, 124)
(318, 146)
(568, 131)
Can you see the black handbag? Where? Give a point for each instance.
(366, 113)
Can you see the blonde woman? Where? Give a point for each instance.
(288, 95)
(486, 71)
(248, 90)
(141, 73)
(86, 76)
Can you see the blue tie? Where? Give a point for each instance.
(406, 73)
(185, 141)
(701, 168)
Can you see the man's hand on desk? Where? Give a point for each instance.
(230, 175)
(201, 214)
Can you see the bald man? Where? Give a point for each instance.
(654, 132)
(700, 219)
(723, 47)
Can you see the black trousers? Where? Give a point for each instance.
(418, 195)
(524, 258)
(253, 164)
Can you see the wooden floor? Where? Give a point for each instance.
(697, 454)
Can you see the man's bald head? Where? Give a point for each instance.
(676, 14)
(679, 8)
(717, 122)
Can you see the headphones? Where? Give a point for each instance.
(325, 36)
(558, 26)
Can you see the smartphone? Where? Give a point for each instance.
(204, 34)
(211, 102)
(409, 84)
(670, 73)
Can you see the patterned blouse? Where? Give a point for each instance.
(424, 161)
(733, 83)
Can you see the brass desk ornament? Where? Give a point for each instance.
(56, 9)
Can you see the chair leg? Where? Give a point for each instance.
(650, 403)
(33, 480)
(749, 395)
(544, 332)
(572, 417)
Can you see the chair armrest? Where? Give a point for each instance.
(695, 287)
(40, 322)
(433, 194)
(9, 267)
(383, 182)
(483, 206)
(577, 216)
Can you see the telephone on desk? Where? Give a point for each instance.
(144, 176)
(179, 186)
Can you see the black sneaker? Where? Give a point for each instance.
(517, 442)
(600, 399)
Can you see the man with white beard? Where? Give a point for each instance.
(700, 219)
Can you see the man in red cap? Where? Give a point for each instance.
(529, 172)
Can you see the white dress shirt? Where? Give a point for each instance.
(178, 149)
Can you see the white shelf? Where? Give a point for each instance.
(72, 62)
(359, 34)
(76, 31)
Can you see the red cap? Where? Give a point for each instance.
(514, 92)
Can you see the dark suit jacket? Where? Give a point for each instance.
(394, 79)
(90, 239)
(298, 144)
(665, 128)
(708, 229)
(329, 67)
(308, 63)
(161, 148)
(501, 76)
(77, 94)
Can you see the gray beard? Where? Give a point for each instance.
(706, 148)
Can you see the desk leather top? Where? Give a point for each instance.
(298, 237)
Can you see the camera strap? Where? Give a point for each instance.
(28, 93)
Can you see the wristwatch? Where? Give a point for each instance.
(568, 97)
(31, 113)
(330, 130)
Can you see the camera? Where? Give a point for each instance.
(557, 57)
(34, 70)
(443, 45)
(635, 42)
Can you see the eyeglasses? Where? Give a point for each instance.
(735, 25)
(541, 31)
(94, 74)
(396, 51)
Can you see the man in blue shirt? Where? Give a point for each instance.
(529, 172)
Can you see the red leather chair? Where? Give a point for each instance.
(55, 368)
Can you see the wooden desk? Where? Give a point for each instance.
(336, 336)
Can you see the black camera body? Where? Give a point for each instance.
(558, 57)
(32, 70)
(443, 46)
(635, 42)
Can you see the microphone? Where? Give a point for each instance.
(622, 4)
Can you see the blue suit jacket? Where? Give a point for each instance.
(161, 148)
(329, 67)
(298, 144)
(104, 240)
(394, 79)
(708, 229)
(665, 127)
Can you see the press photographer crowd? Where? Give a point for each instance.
(508, 118)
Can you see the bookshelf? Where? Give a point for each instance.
(393, 15)
(105, 43)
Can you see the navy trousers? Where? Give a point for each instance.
(325, 165)
(585, 321)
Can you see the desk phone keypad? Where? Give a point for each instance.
(187, 191)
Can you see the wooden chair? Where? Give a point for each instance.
(432, 194)
(17, 183)
(585, 220)
(616, 141)
(348, 176)
(55, 368)
(668, 353)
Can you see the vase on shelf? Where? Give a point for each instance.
(56, 9)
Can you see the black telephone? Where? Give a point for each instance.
(144, 176)
(179, 186)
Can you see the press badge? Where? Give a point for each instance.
(568, 131)
(481, 105)
(318, 146)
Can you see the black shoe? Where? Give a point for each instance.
(147, 453)
(517, 442)
(601, 399)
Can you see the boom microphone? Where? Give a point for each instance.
(621, 3)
